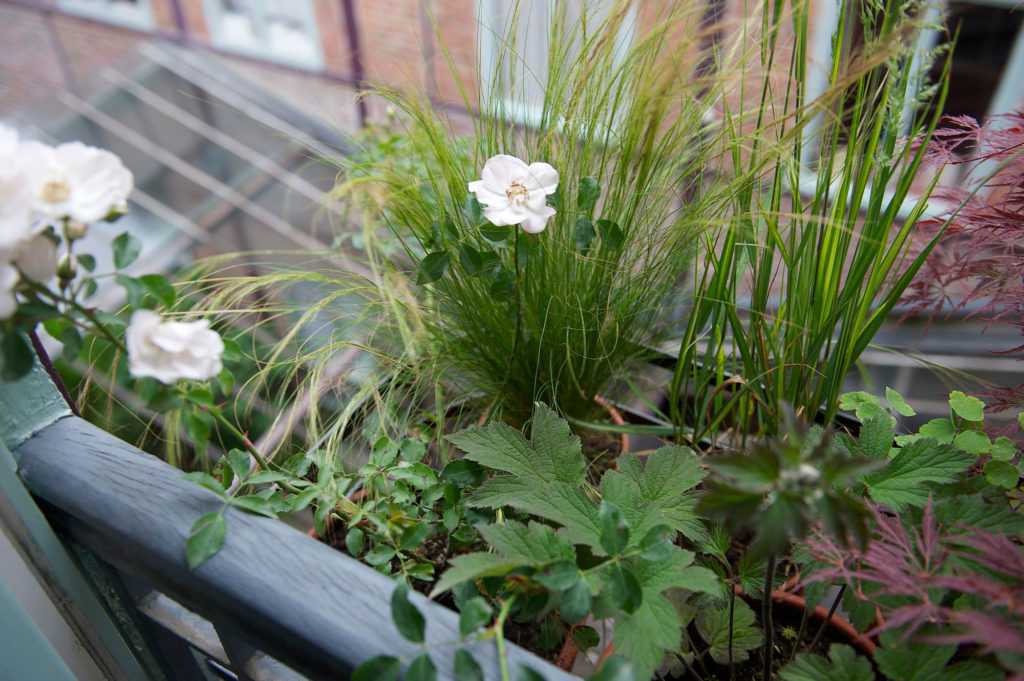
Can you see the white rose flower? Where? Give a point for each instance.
(514, 193)
(37, 259)
(15, 198)
(169, 351)
(74, 180)
(8, 280)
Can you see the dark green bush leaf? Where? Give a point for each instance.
(381, 668)
(576, 602)
(585, 637)
(87, 262)
(590, 191)
(414, 536)
(614, 528)
(255, 504)
(1001, 474)
(474, 614)
(615, 668)
(612, 235)
(432, 267)
(583, 234)
(624, 589)
(463, 473)
(407, 617)
(160, 288)
(472, 209)
(467, 668)
(472, 260)
(421, 669)
(206, 480)
(205, 539)
(559, 576)
(126, 250)
(496, 233)
(657, 543)
(355, 542)
(17, 356)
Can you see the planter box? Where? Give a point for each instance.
(271, 594)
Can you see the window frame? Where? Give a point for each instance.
(1008, 94)
(141, 18)
(213, 11)
(488, 49)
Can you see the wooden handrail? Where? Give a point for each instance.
(307, 605)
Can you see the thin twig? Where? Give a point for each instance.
(825, 623)
(51, 371)
(766, 617)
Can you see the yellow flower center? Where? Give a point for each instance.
(517, 193)
(55, 191)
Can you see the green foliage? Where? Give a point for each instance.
(407, 618)
(909, 477)
(784, 485)
(812, 257)
(712, 623)
(842, 664)
(629, 561)
(905, 661)
(381, 668)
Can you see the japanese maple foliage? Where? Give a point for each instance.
(978, 267)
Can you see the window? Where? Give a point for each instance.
(987, 72)
(521, 84)
(133, 13)
(281, 30)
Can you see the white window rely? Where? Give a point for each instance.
(280, 30)
(133, 13)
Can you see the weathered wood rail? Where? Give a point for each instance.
(272, 604)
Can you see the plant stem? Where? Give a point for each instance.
(85, 312)
(831, 611)
(51, 371)
(217, 414)
(499, 637)
(732, 610)
(766, 617)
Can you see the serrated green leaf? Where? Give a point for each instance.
(898, 404)
(612, 236)
(844, 665)
(1002, 474)
(466, 667)
(624, 590)
(379, 554)
(658, 490)
(1003, 449)
(474, 613)
(545, 472)
(713, 626)
(657, 543)
(903, 661)
(87, 262)
(473, 566)
(126, 250)
(560, 576)
(576, 602)
(906, 480)
(973, 442)
(864, 405)
(205, 539)
(967, 407)
(407, 618)
(531, 544)
(381, 668)
(614, 528)
(615, 668)
(414, 536)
